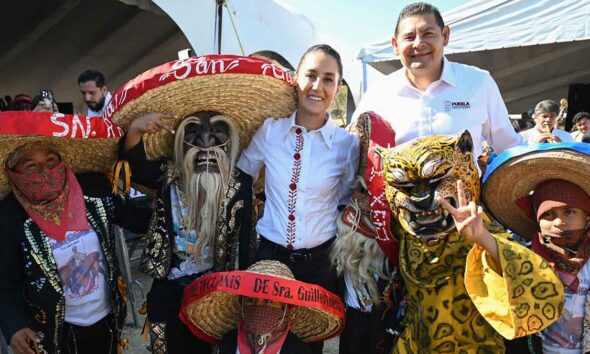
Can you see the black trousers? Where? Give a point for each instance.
(315, 269)
(99, 338)
(364, 333)
(163, 302)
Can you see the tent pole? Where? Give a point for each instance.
(219, 23)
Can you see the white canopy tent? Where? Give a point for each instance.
(533, 48)
(46, 45)
(248, 27)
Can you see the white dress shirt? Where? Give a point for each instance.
(465, 97)
(532, 135)
(308, 174)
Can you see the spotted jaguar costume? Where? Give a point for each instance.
(456, 302)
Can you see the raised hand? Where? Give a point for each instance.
(469, 222)
(548, 138)
(150, 123)
(468, 216)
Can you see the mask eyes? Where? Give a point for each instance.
(398, 176)
(429, 167)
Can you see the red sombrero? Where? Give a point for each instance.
(86, 144)
(245, 89)
(211, 308)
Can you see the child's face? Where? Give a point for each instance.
(556, 223)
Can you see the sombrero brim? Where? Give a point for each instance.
(85, 144)
(516, 172)
(246, 91)
(213, 315)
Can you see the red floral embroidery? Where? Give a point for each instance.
(295, 174)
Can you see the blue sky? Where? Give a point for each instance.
(357, 22)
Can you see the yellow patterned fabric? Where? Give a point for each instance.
(458, 304)
(528, 296)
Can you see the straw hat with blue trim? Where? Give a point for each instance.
(515, 173)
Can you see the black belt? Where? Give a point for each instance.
(302, 254)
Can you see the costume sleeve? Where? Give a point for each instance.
(131, 217)
(246, 228)
(525, 299)
(120, 212)
(350, 170)
(252, 157)
(497, 130)
(143, 171)
(13, 314)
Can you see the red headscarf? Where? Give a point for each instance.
(52, 198)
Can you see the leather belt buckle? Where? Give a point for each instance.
(296, 257)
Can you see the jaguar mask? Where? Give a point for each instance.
(419, 171)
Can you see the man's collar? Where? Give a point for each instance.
(327, 131)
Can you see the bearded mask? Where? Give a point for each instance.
(205, 149)
(419, 171)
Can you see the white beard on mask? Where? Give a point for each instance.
(204, 191)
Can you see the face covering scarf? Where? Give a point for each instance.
(262, 330)
(53, 199)
(566, 263)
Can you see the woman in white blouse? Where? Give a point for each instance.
(310, 168)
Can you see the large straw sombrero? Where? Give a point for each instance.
(245, 89)
(86, 144)
(211, 304)
(515, 173)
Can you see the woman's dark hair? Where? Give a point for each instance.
(326, 49)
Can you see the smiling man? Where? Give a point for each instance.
(432, 95)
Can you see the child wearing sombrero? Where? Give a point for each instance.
(551, 207)
(262, 310)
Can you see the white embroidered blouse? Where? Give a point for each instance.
(308, 174)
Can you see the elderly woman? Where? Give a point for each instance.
(60, 289)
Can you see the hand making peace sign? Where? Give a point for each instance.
(469, 222)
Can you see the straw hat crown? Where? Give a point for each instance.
(514, 174)
(245, 89)
(86, 144)
(274, 268)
